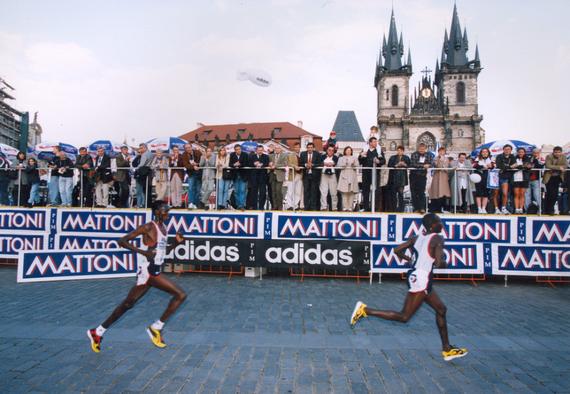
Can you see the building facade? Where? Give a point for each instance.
(222, 134)
(440, 111)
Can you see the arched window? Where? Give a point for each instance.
(394, 96)
(393, 145)
(460, 92)
(428, 139)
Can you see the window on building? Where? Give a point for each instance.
(387, 94)
(393, 145)
(394, 96)
(460, 87)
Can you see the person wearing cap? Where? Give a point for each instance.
(152, 253)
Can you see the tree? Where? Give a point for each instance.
(250, 137)
(228, 138)
(217, 140)
(238, 136)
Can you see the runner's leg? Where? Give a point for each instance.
(411, 305)
(134, 295)
(163, 283)
(440, 309)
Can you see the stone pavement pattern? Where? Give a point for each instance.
(281, 335)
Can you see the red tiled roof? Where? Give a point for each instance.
(260, 131)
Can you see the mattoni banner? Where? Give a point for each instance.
(461, 258)
(536, 260)
(47, 265)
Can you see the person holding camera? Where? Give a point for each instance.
(328, 180)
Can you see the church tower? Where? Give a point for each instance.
(392, 82)
(456, 80)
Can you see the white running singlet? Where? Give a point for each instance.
(419, 277)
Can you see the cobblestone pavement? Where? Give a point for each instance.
(281, 335)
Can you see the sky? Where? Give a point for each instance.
(134, 69)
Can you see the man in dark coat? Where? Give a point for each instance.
(310, 161)
(258, 177)
(370, 158)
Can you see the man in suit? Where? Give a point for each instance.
(238, 161)
(277, 163)
(370, 158)
(122, 176)
(190, 159)
(310, 160)
(84, 163)
(103, 178)
(258, 177)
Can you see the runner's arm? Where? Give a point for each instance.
(125, 241)
(436, 250)
(177, 241)
(400, 250)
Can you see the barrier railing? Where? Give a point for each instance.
(14, 188)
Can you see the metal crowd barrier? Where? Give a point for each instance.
(169, 171)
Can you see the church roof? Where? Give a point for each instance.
(347, 128)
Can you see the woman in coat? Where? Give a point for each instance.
(223, 178)
(33, 176)
(348, 179)
(439, 189)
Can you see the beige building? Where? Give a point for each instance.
(441, 111)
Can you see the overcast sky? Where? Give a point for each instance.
(143, 69)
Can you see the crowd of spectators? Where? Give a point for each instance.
(331, 180)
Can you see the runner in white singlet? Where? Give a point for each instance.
(427, 251)
(152, 255)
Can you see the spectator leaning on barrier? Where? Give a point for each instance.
(21, 190)
(461, 186)
(143, 176)
(64, 167)
(521, 176)
(533, 193)
(224, 177)
(310, 161)
(160, 169)
(439, 189)
(191, 161)
(328, 180)
(238, 163)
(53, 184)
(84, 163)
(504, 163)
(176, 177)
(483, 163)
(103, 178)
(258, 178)
(370, 158)
(397, 180)
(122, 176)
(277, 163)
(208, 163)
(556, 165)
(4, 180)
(421, 160)
(348, 179)
(33, 175)
(295, 178)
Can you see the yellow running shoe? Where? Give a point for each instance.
(95, 340)
(454, 352)
(155, 337)
(357, 313)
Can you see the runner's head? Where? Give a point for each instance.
(432, 223)
(160, 210)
